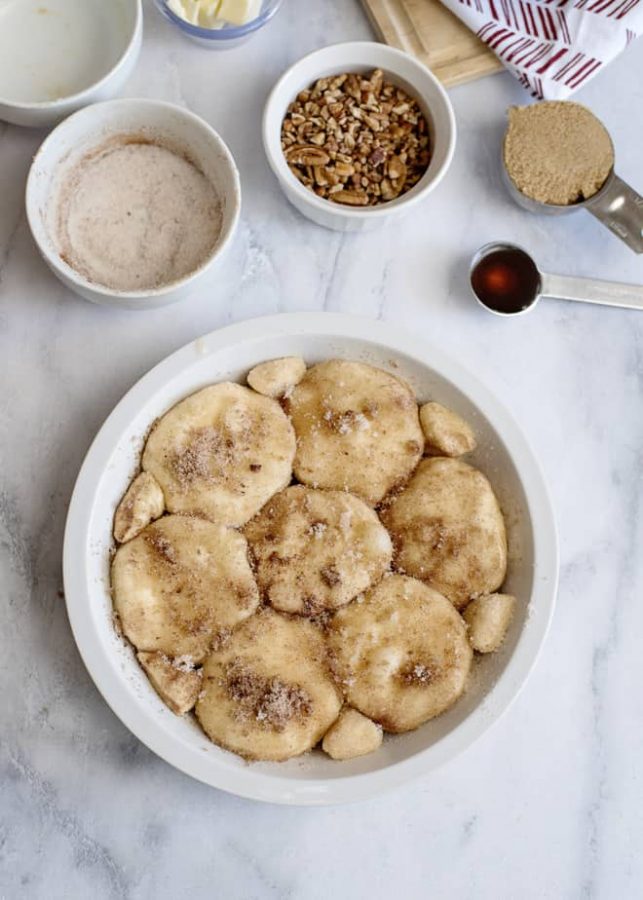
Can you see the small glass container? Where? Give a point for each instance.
(221, 38)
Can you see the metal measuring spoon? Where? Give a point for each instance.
(616, 205)
(505, 280)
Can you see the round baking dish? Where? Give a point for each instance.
(112, 460)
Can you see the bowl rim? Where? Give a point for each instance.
(83, 96)
(417, 193)
(249, 782)
(111, 295)
(232, 33)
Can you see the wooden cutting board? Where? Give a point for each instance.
(426, 29)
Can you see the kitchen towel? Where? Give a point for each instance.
(553, 47)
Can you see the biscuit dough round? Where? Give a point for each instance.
(181, 584)
(448, 530)
(402, 654)
(357, 429)
(267, 694)
(221, 453)
(316, 550)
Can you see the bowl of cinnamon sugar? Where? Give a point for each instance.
(132, 203)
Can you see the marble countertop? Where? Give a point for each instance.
(549, 804)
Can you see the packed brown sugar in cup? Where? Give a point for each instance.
(557, 152)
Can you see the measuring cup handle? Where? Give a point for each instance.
(590, 290)
(619, 207)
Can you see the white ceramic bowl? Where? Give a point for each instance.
(399, 68)
(228, 354)
(57, 56)
(88, 129)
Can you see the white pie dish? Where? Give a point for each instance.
(59, 55)
(228, 354)
(90, 128)
(399, 68)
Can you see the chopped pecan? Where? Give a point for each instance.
(351, 198)
(396, 168)
(355, 139)
(307, 156)
(330, 576)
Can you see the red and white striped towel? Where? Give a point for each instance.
(553, 46)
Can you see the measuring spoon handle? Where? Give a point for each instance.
(620, 208)
(590, 290)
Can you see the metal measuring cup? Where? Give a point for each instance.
(616, 205)
(536, 284)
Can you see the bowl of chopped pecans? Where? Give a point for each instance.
(358, 133)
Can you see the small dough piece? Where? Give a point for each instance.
(352, 735)
(357, 429)
(316, 550)
(446, 433)
(402, 654)
(488, 618)
(142, 503)
(221, 453)
(448, 530)
(268, 693)
(181, 585)
(277, 377)
(174, 680)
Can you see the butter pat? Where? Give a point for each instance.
(239, 12)
(188, 10)
(209, 14)
(216, 13)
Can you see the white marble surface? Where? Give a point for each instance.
(549, 804)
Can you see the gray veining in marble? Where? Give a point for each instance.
(549, 804)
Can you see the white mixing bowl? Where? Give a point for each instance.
(229, 353)
(57, 56)
(91, 128)
(399, 68)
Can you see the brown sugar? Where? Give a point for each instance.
(162, 546)
(557, 152)
(419, 673)
(270, 701)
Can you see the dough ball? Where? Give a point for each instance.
(182, 584)
(221, 453)
(142, 503)
(277, 377)
(352, 735)
(316, 550)
(448, 530)
(488, 618)
(402, 654)
(175, 680)
(357, 429)
(445, 432)
(267, 694)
